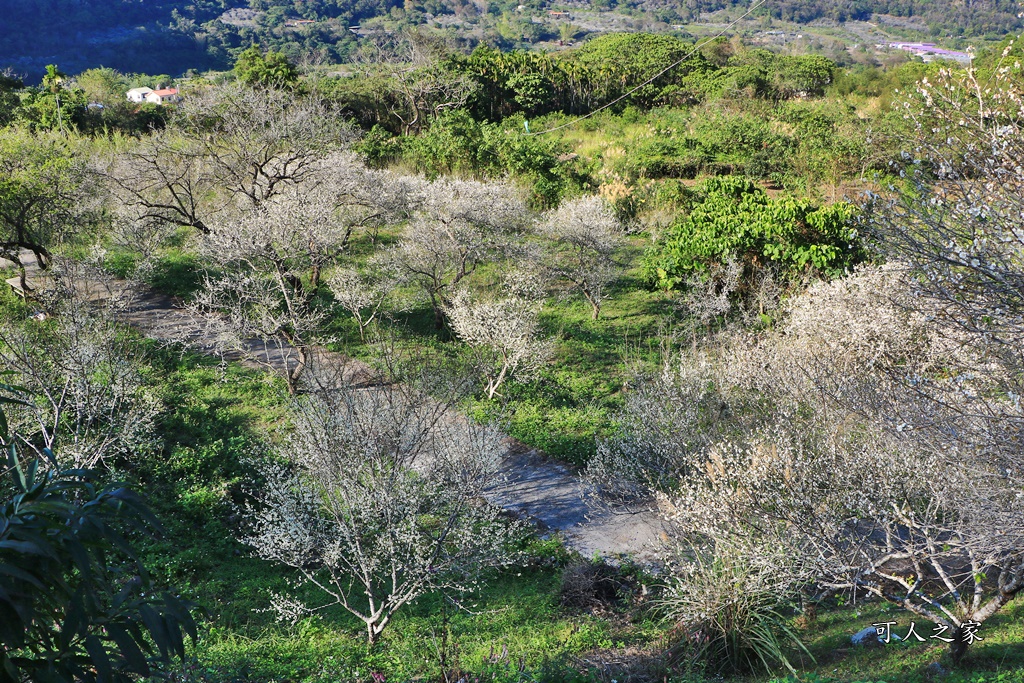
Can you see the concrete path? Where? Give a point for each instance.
(549, 494)
(536, 488)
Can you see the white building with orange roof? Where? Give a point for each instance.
(163, 96)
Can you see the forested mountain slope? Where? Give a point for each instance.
(968, 17)
(173, 36)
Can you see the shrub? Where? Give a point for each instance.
(728, 610)
(379, 147)
(736, 220)
(664, 158)
(590, 584)
(457, 144)
(76, 602)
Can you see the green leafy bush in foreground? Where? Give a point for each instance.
(735, 219)
(76, 602)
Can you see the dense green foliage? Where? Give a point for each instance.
(77, 602)
(92, 102)
(457, 144)
(734, 219)
(40, 178)
(610, 69)
(271, 69)
(747, 111)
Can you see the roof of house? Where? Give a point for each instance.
(166, 92)
(143, 90)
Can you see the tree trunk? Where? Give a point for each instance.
(375, 628)
(23, 278)
(594, 301)
(958, 648)
(43, 256)
(291, 375)
(294, 374)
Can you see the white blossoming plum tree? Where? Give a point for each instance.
(811, 439)
(961, 234)
(226, 149)
(378, 499)
(82, 372)
(271, 259)
(361, 295)
(506, 329)
(583, 235)
(270, 262)
(460, 225)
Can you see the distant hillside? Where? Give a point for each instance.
(62, 17)
(132, 35)
(959, 17)
(172, 36)
(169, 36)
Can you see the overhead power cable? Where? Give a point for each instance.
(656, 76)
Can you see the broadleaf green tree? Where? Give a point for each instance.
(76, 600)
(267, 70)
(42, 194)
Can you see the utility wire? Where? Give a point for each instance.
(655, 76)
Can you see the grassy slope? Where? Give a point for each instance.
(216, 416)
(219, 416)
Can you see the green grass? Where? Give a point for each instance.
(517, 612)
(999, 657)
(216, 417)
(177, 274)
(175, 271)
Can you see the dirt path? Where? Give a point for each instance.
(536, 488)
